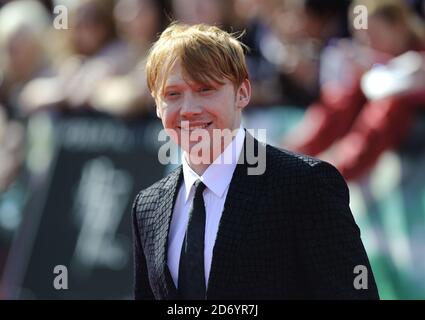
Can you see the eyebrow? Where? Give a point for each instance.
(179, 84)
(172, 86)
(191, 83)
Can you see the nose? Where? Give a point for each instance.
(190, 106)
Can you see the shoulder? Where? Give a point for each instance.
(302, 170)
(297, 162)
(312, 188)
(279, 156)
(149, 197)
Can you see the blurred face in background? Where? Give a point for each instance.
(23, 26)
(90, 30)
(247, 9)
(138, 20)
(200, 11)
(286, 18)
(291, 20)
(383, 36)
(24, 53)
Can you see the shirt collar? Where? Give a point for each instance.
(218, 175)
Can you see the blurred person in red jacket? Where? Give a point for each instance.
(352, 129)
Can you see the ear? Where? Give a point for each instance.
(157, 104)
(158, 113)
(243, 94)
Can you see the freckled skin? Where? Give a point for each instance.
(184, 104)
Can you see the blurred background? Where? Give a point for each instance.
(340, 80)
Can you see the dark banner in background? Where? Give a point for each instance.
(78, 215)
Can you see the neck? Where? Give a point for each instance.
(201, 166)
(198, 168)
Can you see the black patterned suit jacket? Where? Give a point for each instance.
(285, 234)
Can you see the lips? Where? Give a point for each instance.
(186, 125)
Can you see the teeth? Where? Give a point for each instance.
(195, 127)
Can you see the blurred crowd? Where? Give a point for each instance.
(304, 53)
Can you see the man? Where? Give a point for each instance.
(213, 229)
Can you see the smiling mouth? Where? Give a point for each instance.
(191, 127)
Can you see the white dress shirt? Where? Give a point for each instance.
(217, 179)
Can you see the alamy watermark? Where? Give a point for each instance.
(202, 146)
(60, 22)
(60, 282)
(360, 281)
(360, 21)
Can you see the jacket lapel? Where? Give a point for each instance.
(163, 214)
(239, 206)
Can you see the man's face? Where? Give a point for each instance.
(189, 109)
(390, 38)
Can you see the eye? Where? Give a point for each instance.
(172, 94)
(206, 89)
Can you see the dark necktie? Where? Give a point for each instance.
(191, 280)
